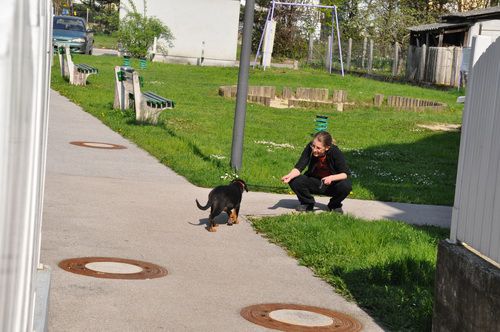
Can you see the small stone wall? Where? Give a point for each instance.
(266, 101)
(230, 91)
(308, 103)
(303, 97)
(406, 103)
(467, 291)
(312, 94)
(316, 97)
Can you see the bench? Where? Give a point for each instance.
(147, 105)
(77, 73)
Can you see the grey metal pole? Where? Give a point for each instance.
(241, 97)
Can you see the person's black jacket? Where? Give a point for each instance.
(334, 156)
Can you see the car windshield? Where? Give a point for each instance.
(69, 24)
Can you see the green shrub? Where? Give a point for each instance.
(137, 32)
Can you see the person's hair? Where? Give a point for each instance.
(325, 138)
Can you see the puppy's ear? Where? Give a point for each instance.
(244, 185)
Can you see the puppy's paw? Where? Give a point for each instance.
(212, 229)
(236, 221)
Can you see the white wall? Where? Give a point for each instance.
(25, 53)
(193, 22)
(476, 211)
(489, 28)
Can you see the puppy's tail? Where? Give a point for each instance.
(203, 207)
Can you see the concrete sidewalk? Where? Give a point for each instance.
(124, 203)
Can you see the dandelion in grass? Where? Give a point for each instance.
(421, 179)
(272, 146)
(384, 174)
(229, 176)
(383, 154)
(218, 157)
(438, 173)
(397, 179)
(353, 151)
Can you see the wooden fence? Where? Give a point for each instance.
(476, 211)
(371, 58)
(436, 65)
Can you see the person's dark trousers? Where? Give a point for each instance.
(305, 187)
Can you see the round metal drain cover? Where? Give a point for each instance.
(295, 317)
(98, 145)
(113, 268)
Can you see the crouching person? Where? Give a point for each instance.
(327, 174)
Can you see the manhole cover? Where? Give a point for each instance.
(98, 145)
(295, 317)
(113, 268)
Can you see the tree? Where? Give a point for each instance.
(103, 14)
(58, 4)
(137, 32)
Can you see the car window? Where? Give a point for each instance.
(69, 24)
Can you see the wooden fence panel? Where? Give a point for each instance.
(437, 65)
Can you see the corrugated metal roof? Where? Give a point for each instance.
(472, 13)
(435, 26)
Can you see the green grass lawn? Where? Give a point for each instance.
(386, 267)
(391, 158)
(105, 41)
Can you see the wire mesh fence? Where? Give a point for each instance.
(361, 56)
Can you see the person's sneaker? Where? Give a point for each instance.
(338, 210)
(305, 208)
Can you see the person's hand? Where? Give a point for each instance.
(327, 180)
(290, 176)
(287, 178)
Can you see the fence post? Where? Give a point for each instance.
(311, 47)
(370, 57)
(395, 60)
(364, 54)
(421, 65)
(409, 64)
(349, 50)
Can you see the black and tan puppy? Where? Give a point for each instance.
(224, 198)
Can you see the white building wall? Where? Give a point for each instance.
(484, 28)
(476, 211)
(211, 25)
(25, 54)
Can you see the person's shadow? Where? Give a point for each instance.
(291, 204)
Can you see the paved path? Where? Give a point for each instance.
(124, 203)
(271, 204)
(104, 51)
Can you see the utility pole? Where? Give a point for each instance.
(241, 97)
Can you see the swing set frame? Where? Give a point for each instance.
(335, 24)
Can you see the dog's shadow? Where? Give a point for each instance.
(292, 204)
(221, 219)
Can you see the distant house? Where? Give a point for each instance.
(457, 29)
(204, 31)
